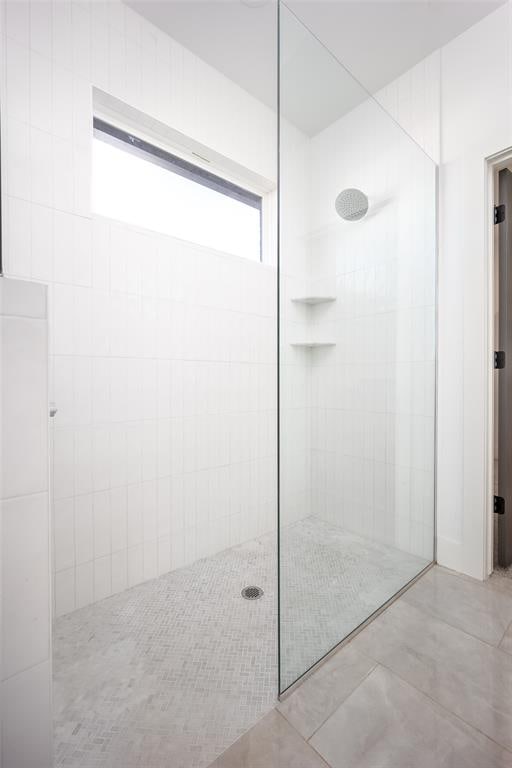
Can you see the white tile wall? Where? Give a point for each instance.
(357, 419)
(373, 393)
(476, 123)
(27, 718)
(295, 363)
(460, 113)
(59, 50)
(414, 101)
(183, 394)
(456, 108)
(25, 421)
(162, 354)
(25, 584)
(24, 518)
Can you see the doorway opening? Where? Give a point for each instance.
(501, 320)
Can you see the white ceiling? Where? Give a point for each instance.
(375, 40)
(238, 40)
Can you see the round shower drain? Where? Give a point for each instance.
(252, 593)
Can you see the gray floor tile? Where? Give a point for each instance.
(465, 675)
(468, 605)
(317, 698)
(506, 643)
(499, 581)
(386, 723)
(271, 743)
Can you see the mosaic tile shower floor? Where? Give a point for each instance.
(169, 673)
(332, 581)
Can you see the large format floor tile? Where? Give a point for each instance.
(463, 603)
(506, 643)
(317, 698)
(271, 743)
(498, 580)
(386, 723)
(465, 675)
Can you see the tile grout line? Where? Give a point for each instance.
(446, 709)
(357, 631)
(503, 637)
(367, 675)
(487, 584)
(437, 703)
(395, 674)
(238, 738)
(377, 663)
(436, 617)
(431, 614)
(305, 741)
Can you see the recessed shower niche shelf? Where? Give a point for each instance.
(312, 300)
(313, 344)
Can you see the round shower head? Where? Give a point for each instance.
(351, 204)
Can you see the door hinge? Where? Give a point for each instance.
(499, 359)
(499, 505)
(499, 214)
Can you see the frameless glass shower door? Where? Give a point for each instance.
(357, 275)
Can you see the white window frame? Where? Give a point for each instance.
(174, 163)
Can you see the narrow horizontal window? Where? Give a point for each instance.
(143, 185)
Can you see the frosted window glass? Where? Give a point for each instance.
(128, 188)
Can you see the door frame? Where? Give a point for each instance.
(494, 163)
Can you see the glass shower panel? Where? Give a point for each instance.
(357, 272)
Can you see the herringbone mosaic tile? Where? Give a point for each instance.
(331, 581)
(169, 673)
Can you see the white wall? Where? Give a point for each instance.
(358, 418)
(164, 443)
(162, 355)
(24, 552)
(52, 54)
(458, 106)
(295, 362)
(476, 109)
(414, 101)
(473, 87)
(373, 393)
(360, 431)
